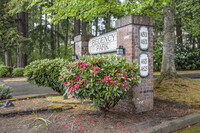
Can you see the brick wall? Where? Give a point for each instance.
(81, 45)
(140, 97)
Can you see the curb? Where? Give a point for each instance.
(174, 125)
(29, 97)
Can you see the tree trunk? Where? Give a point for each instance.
(52, 42)
(66, 36)
(96, 25)
(45, 34)
(193, 43)
(84, 28)
(76, 27)
(168, 65)
(179, 31)
(20, 58)
(58, 39)
(40, 43)
(23, 29)
(107, 23)
(198, 40)
(8, 58)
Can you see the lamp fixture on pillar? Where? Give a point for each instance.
(120, 50)
(74, 57)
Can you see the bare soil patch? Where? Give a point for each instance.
(83, 119)
(49, 102)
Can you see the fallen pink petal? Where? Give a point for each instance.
(99, 121)
(74, 122)
(94, 124)
(145, 128)
(79, 124)
(66, 126)
(80, 129)
(75, 130)
(118, 125)
(123, 130)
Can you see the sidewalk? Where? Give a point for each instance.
(20, 87)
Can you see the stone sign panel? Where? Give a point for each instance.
(144, 65)
(103, 44)
(144, 42)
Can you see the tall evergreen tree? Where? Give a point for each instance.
(9, 37)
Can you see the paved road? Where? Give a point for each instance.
(23, 88)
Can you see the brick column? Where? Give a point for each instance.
(140, 97)
(81, 45)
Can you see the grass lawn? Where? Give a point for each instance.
(182, 72)
(180, 90)
(190, 129)
(195, 80)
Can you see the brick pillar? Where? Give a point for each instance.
(81, 45)
(128, 27)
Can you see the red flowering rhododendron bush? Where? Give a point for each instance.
(102, 79)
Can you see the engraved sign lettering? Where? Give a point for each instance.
(103, 43)
(144, 65)
(144, 43)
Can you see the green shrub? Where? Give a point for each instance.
(157, 57)
(18, 72)
(5, 92)
(10, 69)
(3, 70)
(102, 79)
(185, 57)
(46, 73)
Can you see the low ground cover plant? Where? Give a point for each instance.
(103, 79)
(5, 92)
(3, 70)
(46, 73)
(18, 72)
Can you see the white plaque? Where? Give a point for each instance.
(144, 42)
(144, 65)
(103, 43)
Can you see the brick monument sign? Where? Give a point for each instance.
(134, 34)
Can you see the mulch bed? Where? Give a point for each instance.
(83, 119)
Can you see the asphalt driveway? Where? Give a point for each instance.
(20, 87)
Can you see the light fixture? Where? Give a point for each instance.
(120, 50)
(74, 57)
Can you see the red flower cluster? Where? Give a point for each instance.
(83, 65)
(96, 69)
(107, 78)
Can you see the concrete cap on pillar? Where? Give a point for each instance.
(81, 38)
